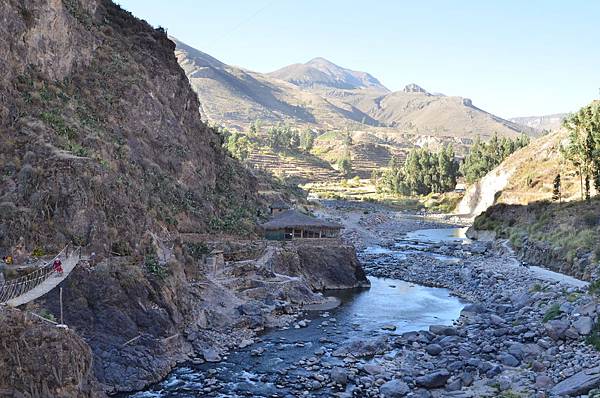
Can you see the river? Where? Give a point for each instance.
(270, 367)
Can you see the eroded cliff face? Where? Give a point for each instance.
(324, 264)
(40, 360)
(102, 139)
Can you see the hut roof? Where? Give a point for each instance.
(295, 219)
(279, 204)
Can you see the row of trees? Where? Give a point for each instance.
(285, 138)
(279, 138)
(583, 150)
(484, 156)
(422, 173)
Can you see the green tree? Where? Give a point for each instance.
(344, 165)
(307, 140)
(422, 172)
(294, 143)
(556, 194)
(583, 150)
(238, 145)
(483, 157)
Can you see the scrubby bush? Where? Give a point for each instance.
(552, 313)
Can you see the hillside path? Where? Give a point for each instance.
(543, 273)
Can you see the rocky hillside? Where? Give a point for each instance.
(103, 147)
(514, 201)
(39, 360)
(102, 139)
(524, 177)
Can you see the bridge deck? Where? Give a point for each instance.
(47, 285)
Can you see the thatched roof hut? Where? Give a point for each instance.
(292, 224)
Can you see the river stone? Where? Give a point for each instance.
(394, 388)
(587, 309)
(363, 348)
(572, 333)
(211, 355)
(583, 325)
(443, 330)
(496, 320)
(339, 376)
(508, 360)
(474, 309)
(543, 382)
(433, 380)
(434, 349)
(454, 385)
(578, 384)
(373, 369)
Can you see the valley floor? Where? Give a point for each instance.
(523, 335)
(523, 332)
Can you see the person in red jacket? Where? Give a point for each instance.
(57, 265)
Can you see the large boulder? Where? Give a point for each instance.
(583, 325)
(435, 379)
(578, 384)
(394, 389)
(556, 328)
(363, 348)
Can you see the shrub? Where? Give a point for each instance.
(197, 250)
(590, 219)
(594, 338)
(552, 313)
(44, 313)
(38, 252)
(537, 287)
(120, 248)
(152, 265)
(594, 287)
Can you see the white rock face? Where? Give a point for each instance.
(483, 193)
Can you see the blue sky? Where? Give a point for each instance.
(512, 58)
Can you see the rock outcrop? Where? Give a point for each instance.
(38, 359)
(324, 264)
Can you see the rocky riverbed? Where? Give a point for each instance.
(521, 333)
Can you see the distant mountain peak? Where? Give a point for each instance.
(320, 60)
(414, 88)
(320, 72)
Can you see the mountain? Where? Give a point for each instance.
(414, 110)
(237, 97)
(319, 72)
(541, 123)
(326, 96)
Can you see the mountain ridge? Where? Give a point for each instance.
(331, 97)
